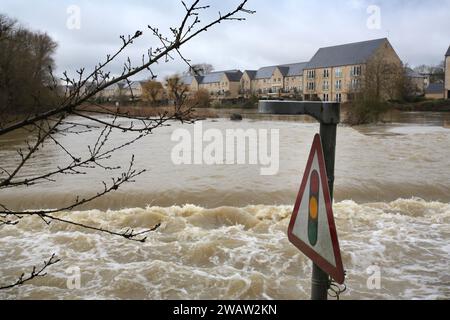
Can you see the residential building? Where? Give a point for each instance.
(248, 83)
(281, 80)
(65, 90)
(135, 89)
(293, 83)
(269, 81)
(435, 91)
(221, 84)
(191, 82)
(447, 74)
(333, 74)
(427, 78)
(111, 92)
(419, 81)
(336, 73)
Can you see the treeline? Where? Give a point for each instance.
(26, 61)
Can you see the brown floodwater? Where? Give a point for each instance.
(223, 233)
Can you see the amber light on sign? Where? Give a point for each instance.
(313, 220)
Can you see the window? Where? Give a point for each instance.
(326, 85)
(356, 71)
(339, 97)
(311, 86)
(326, 73)
(338, 84)
(338, 72)
(325, 97)
(311, 74)
(356, 84)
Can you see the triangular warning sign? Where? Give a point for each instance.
(312, 228)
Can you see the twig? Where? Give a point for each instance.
(35, 273)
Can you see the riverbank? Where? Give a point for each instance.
(225, 111)
(144, 111)
(424, 106)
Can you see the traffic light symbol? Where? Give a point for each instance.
(313, 219)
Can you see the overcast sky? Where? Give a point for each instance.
(281, 31)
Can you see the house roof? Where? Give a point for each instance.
(136, 85)
(287, 70)
(251, 74)
(212, 77)
(448, 52)
(234, 76)
(114, 87)
(295, 69)
(413, 74)
(284, 70)
(435, 88)
(347, 54)
(265, 72)
(215, 77)
(187, 80)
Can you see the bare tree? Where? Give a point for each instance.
(177, 91)
(152, 91)
(436, 73)
(199, 69)
(201, 99)
(382, 80)
(59, 118)
(6, 24)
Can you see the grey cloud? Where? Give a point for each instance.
(282, 31)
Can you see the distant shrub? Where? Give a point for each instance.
(252, 102)
(216, 104)
(200, 99)
(436, 103)
(364, 111)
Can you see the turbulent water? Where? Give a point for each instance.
(223, 232)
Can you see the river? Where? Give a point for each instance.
(223, 233)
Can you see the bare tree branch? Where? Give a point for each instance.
(35, 273)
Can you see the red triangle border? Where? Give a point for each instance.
(337, 273)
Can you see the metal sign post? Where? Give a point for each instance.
(328, 115)
(328, 132)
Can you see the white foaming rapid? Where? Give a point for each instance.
(231, 253)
